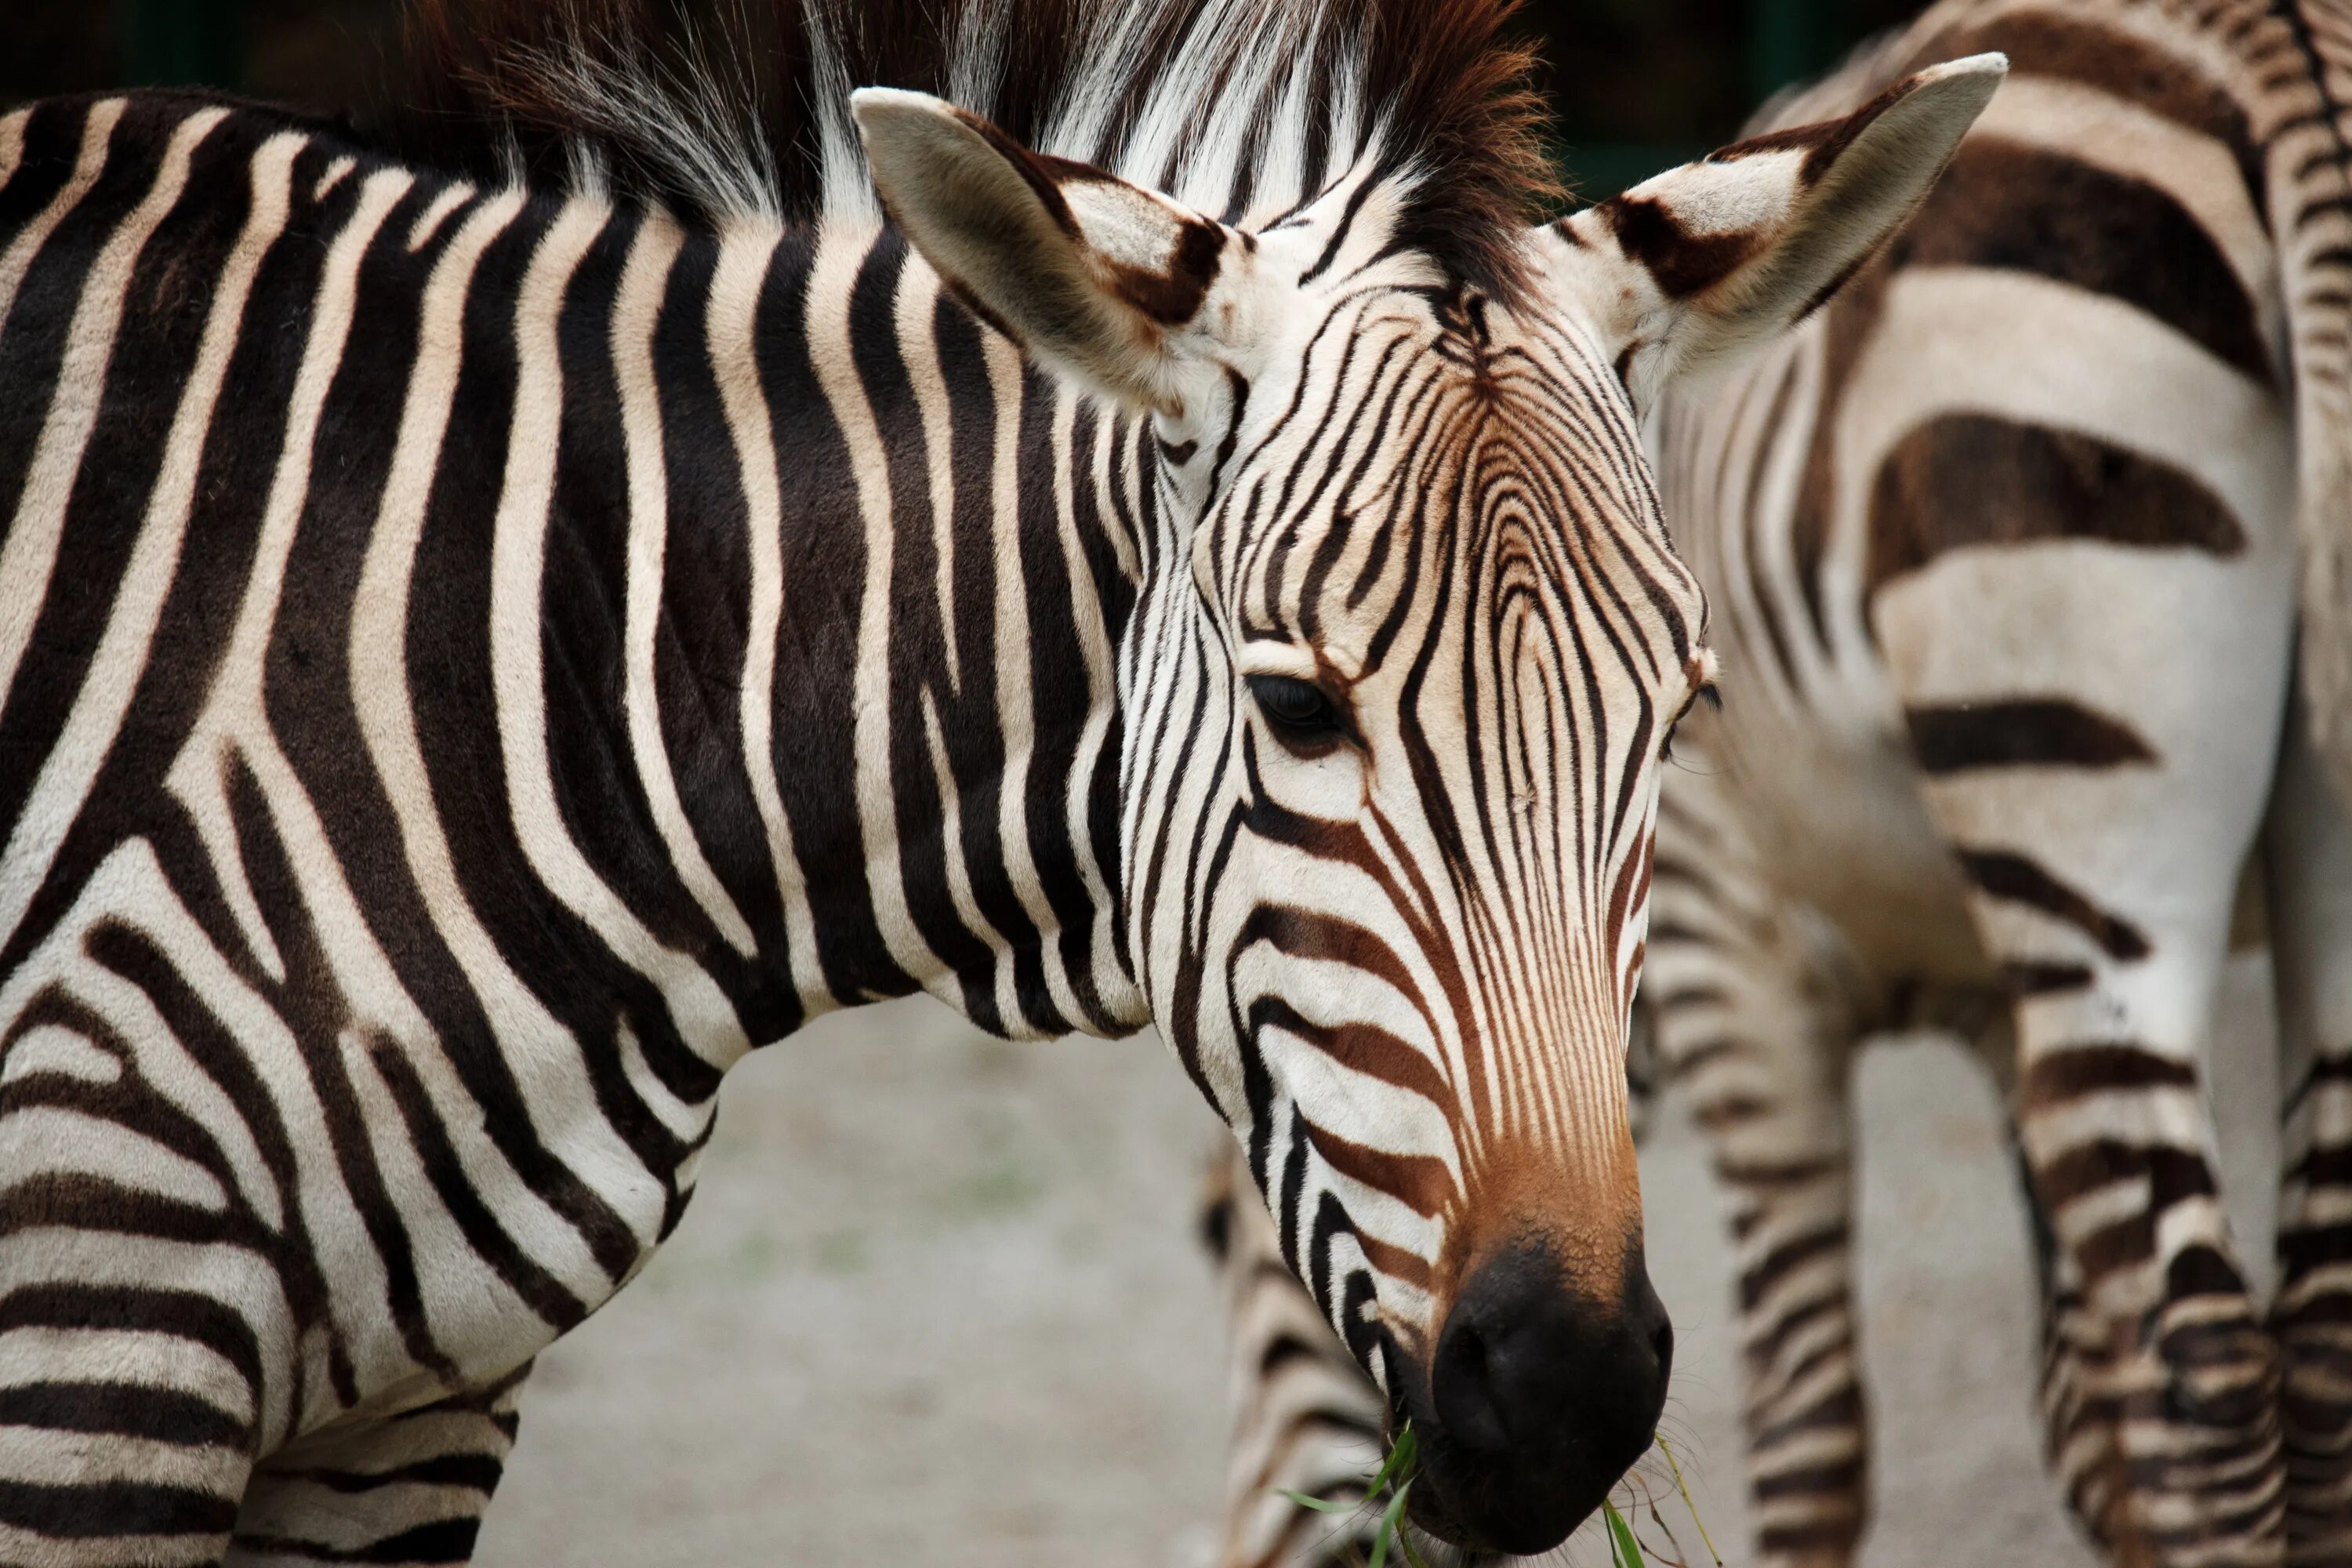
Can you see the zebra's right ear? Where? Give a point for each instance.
(1690, 267)
(1101, 279)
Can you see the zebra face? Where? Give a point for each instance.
(1432, 641)
(1409, 642)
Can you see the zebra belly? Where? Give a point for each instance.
(1840, 827)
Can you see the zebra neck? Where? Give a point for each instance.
(886, 569)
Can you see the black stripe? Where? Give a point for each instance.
(101, 1509)
(2020, 732)
(2014, 879)
(123, 1410)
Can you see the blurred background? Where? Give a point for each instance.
(1636, 84)
(939, 1298)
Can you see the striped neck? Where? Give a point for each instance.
(899, 605)
(864, 575)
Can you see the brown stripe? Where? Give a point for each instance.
(2032, 209)
(2172, 1174)
(2022, 732)
(1681, 263)
(2035, 979)
(1972, 480)
(2016, 880)
(2071, 1072)
(1419, 1182)
(1363, 1047)
(1785, 1260)
(2110, 59)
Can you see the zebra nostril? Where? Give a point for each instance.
(1462, 1386)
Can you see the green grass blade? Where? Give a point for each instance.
(1684, 1487)
(1623, 1550)
(1388, 1525)
(1324, 1505)
(1399, 1462)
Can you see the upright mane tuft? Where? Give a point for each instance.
(1242, 108)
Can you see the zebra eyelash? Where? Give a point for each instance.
(1303, 716)
(1707, 694)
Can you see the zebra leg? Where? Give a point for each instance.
(2104, 892)
(125, 1431)
(2309, 873)
(1757, 1035)
(405, 1489)
(1306, 1419)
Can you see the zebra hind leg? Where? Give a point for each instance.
(403, 1490)
(2309, 875)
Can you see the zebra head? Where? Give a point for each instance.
(1409, 643)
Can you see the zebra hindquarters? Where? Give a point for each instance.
(2309, 881)
(2084, 606)
(1755, 1032)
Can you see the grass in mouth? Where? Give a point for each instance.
(1391, 1484)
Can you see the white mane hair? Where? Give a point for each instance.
(1241, 108)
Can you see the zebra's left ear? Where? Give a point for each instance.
(1689, 268)
(1101, 279)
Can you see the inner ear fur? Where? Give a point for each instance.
(1706, 260)
(1098, 278)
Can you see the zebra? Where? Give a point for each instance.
(512, 600)
(2010, 549)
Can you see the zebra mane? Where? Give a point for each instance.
(1242, 109)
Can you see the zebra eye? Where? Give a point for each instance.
(1294, 705)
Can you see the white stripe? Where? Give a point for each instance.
(636, 312)
(742, 267)
(11, 145)
(73, 763)
(840, 255)
(31, 551)
(53, 1048)
(38, 1140)
(234, 714)
(429, 221)
(35, 1353)
(553, 1083)
(95, 131)
(334, 175)
(704, 1020)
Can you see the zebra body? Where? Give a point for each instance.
(348, 735)
(476, 657)
(2005, 550)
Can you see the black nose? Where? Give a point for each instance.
(1544, 1396)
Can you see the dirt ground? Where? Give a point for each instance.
(938, 1302)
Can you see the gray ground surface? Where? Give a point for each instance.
(938, 1302)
